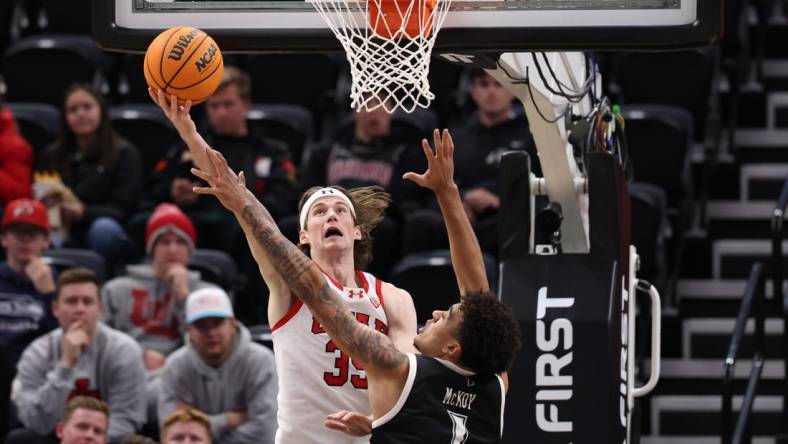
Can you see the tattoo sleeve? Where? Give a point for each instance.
(368, 346)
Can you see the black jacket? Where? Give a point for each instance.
(270, 173)
(478, 151)
(112, 191)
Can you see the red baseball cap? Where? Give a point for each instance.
(26, 211)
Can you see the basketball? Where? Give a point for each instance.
(390, 19)
(184, 61)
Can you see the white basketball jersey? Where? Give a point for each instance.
(315, 377)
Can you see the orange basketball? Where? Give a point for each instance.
(184, 61)
(386, 18)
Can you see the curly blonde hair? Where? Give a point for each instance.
(370, 204)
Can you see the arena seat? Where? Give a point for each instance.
(131, 85)
(659, 139)
(654, 77)
(649, 226)
(736, 57)
(146, 126)
(292, 124)
(71, 17)
(40, 68)
(308, 80)
(217, 267)
(429, 278)
(7, 23)
(65, 258)
(39, 123)
(446, 83)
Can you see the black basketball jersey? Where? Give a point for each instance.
(443, 404)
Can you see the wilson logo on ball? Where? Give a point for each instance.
(180, 46)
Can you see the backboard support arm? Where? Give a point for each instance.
(558, 167)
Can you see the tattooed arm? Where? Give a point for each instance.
(369, 347)
(279, 294)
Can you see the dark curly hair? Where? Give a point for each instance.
(489, 335)
(370, 204)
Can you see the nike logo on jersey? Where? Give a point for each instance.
(458, 398)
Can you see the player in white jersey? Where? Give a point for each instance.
(316, 378)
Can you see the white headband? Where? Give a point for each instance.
(319, 194)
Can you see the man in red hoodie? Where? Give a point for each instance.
(16, 160)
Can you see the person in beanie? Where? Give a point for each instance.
(81, 358)
(221, 372)
(147, 303)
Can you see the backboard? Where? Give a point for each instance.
(472, 25)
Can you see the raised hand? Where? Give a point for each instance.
(177, 114)
(228, 187)
(177, 276)
(440, 164)
(40, 274)
(352, 423)
(75, 339)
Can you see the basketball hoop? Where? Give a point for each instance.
(388, 44)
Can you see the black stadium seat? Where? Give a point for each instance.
(429, 278)
(131, 83)
(292, 124)
(65, 258)
(69, 17)
(146, 126)
(39, 123)
(659, 139)
(308, 80)
(649, 225)
(217, 267)
(40, 68)
(653, 77)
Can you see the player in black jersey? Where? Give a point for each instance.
(454, 391)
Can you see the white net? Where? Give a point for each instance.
(388, 44)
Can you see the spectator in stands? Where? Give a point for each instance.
(266, 163)
(147, 303)
(495, 128)
(186, 424)
(269, 172)
(492, 130)
(81, 358)
(101, 174)
(16, 160)
(84, 421)
(27, 283)
(223, 373)
(27, 288)
(368, 153)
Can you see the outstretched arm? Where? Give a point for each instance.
(199, 148)
(374, 350)
(466, 255)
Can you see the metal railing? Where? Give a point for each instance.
(777, 267)
(752, 303)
